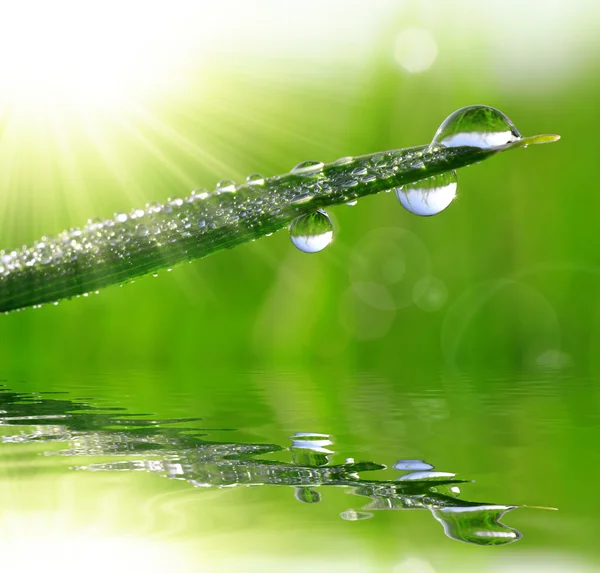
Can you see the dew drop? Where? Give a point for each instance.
(307, 167)
(476, 126)
(141, 231)
(120, 217)
(199, 194)
(225, 186)
(352, 203)
(343, 160)
(428, 196)
(255, 179)
(312, 232)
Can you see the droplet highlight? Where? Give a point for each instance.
(476, 126)
(312, 232)
(429, 196)
(310, 167)
(255, 179)
(225, 186)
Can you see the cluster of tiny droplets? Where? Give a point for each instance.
(116, 250)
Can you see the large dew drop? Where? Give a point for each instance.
(429, 196)
(476, 126)
(311, 233)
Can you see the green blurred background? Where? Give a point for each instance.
(467, 339)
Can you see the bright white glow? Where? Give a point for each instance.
(50, 542)
(414, 565)
(416, 50)
(72, 51)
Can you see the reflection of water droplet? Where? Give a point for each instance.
(141, 230)
(412, 465)
(310, 449)
(225, 186)
(309, 167)
(353, 515)
(476, 126)
(425, 475)
(255, 179)
(311, 441)
(312, 232)
(307, 495)
(479, 524)
(429, 196)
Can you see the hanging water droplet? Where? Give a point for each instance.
(225, 186)
(476, 126)
(428, 196)
(255, 179)
(310, 167)
(312, 232)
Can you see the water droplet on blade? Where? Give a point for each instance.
(225, 186)
(310, 167)
(476, 126)
(312, 232)
(430, 196)
(343, 160)
(255, 179)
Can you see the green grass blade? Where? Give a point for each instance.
(113, 251)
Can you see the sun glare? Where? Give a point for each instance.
(80, 53)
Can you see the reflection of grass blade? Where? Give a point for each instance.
(183, 453)
(117, 250)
